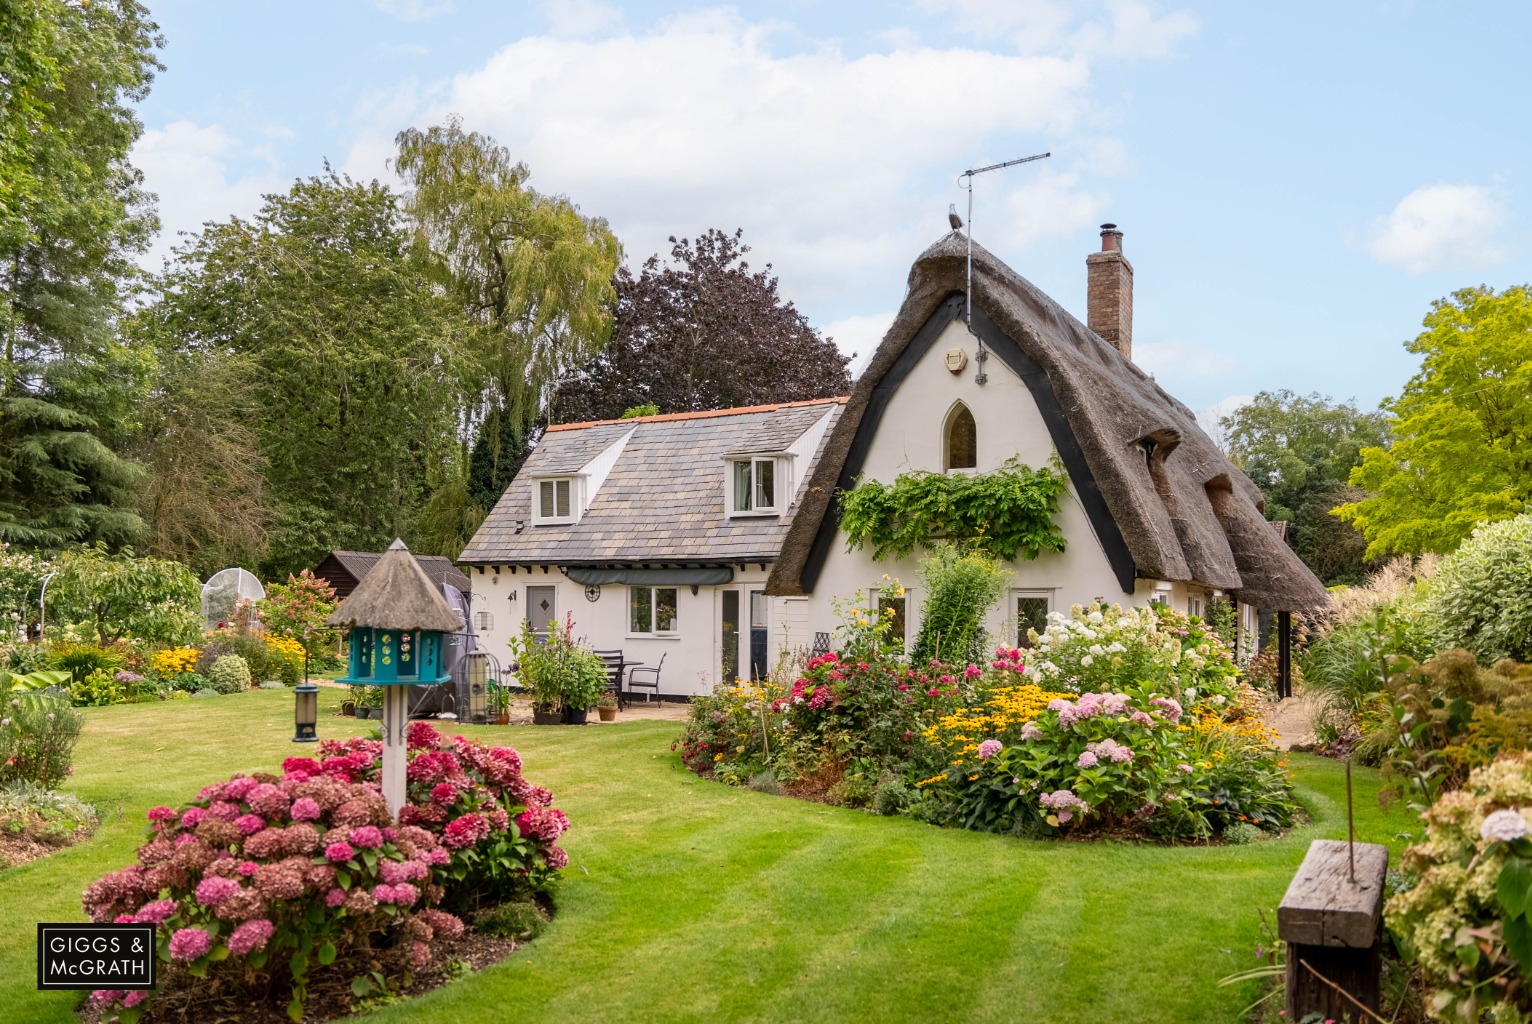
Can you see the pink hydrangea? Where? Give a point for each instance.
(443, 793)
(238, 787)
(1030, 731)
(1170, 707)
(190, 943)
(1184, 768)
(1141, 718)
(250, 936)
(161, 813)
(157, 912)
(191, 817)
(249, 824)
(368, 837)
(305, 809)
(989, 748)
(134, 997)
(335, 897)
(339, 853)
(467, 830)
(247, 868)
(1087, 759)
(213, 890)
(1061, 800)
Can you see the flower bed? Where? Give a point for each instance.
(264, 883)
(1116, 721)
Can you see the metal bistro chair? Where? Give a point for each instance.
(652, 681)
(821, 645)
(615, 665)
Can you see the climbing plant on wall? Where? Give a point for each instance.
(1006, 513)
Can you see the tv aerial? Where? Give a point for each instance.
(965, 182)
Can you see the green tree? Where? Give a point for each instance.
(1300, 451)
(294, 608)
(153, 599)
(1462, 429)
(703, 332)
(350, 353)
(72, 215)
(532, 272)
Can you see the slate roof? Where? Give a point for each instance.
(663, 501)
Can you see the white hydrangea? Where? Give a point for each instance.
(1503, 826)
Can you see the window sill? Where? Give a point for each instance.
(554, 522)
(653, 636)
(760, 514)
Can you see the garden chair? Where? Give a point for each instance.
(615, 666)
(821, 645)
(651, 679)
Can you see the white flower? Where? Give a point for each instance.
(1116, 647)
(1503, 826)
(1087, 661)
(1093, 617)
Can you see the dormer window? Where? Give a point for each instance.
(756, 487)
(556, 501)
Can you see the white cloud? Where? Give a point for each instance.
(859, 336)
(1126, 29)
(1437, 227)
(821, 157)
(1210, 419)
(190, 168)
(1177, 358)
(414, 10)
(579, 17)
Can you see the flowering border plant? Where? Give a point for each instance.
(264, 872)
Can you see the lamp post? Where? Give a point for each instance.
(398, 622)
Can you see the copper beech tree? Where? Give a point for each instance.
(702, 332)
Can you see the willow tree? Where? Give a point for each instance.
(532, 272)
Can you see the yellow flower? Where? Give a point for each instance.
(717, 757)
(900, 591)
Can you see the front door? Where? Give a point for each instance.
(757, 635)
(541, 609)
(728, 634)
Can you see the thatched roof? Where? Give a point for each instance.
(397, 594)
(1183, 511)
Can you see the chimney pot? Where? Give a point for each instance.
(1109, 292)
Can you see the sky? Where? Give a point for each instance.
(1296, 182)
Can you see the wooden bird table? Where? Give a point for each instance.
(1332, 923)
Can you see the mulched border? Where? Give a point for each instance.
(17, 849)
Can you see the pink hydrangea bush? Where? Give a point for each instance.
(268, 875)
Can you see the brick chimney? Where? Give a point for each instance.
(1109, 292)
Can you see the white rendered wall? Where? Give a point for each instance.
(693, 656)
(909, 437)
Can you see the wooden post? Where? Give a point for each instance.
(1284, 654)
(1332, 925)
(396, 721)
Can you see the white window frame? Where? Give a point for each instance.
(575, 496)
(653, 632)
(781, 482)
(1017, 594)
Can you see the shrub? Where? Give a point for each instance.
(1481, 595)
(960, 589)
(247, 644)
(1105, 648)
(56, 819)
(263, 881)
(1463, 921)
(81, 659)
(153, 599)
(174, 661)
(97, 690)
(559, 670)
(284, 658)
(1111, 761)
(765, 781)
(190, 682)
(891, 796)
(297, 610)
(38, 732)
(1242, 833)
(25, 658)
(230, 674)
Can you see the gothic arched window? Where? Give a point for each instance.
(962, 441)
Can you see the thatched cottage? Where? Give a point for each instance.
(713, 540)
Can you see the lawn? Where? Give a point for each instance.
(689, 901)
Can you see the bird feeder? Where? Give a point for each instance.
(478, 689)
(398, 621)
(306, 712)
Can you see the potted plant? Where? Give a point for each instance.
(498, 703)
(538, 671)
(607, 706)
(370, 703)
(584, 682)
(564, 676)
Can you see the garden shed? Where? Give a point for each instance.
(345, 569)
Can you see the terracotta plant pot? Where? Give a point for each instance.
(547, 717)
(573, 716)
(503, 718)
(607, 714)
